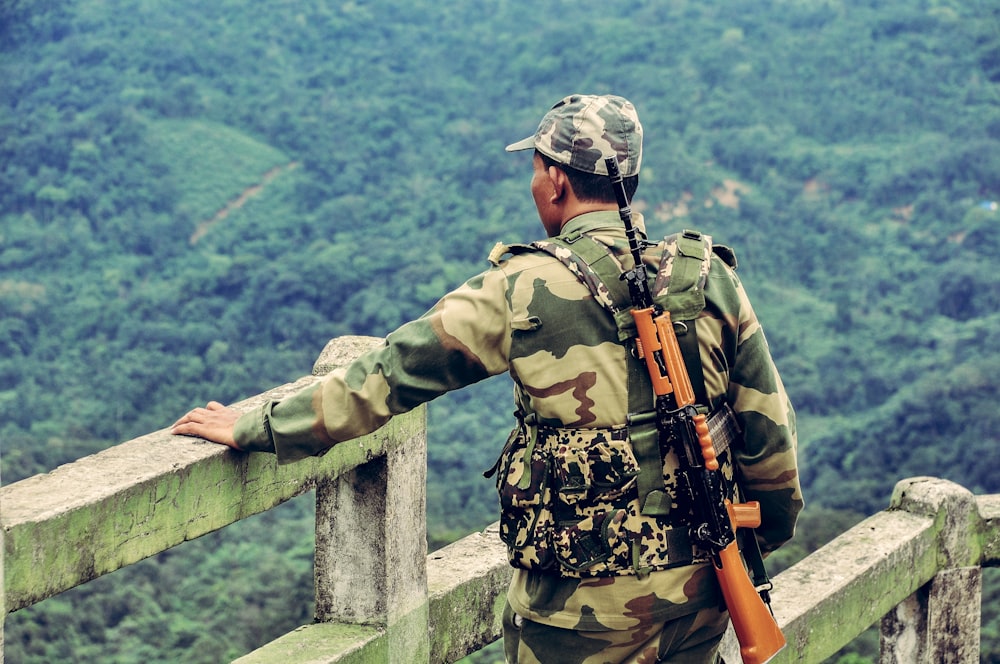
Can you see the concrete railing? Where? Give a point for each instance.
(381, 598)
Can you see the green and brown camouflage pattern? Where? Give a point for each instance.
(589, 520)
(580, 131)
(528, 315)
(690, 639)
(569, 505)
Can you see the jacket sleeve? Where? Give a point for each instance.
(463, 339)
(767, 463)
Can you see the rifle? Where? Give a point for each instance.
(714, 518)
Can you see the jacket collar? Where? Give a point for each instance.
(603, 220)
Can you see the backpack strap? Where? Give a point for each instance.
(594, 266)
(681, 280)
(687, 266)
(598, 269)
(678, 288)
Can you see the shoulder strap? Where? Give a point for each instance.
(686, 266)
(594, 265)
(684, 282)
(678, 287)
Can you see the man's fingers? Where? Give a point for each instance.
(182, 428)
(180, 421)
(194, 415)
(200, 414)
(214, 422)
(188, 423)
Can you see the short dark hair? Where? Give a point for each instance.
(592, 187)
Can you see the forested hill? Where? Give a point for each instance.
(195, 196)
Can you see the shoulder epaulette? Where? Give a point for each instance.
(685, 263)
(727, 255)
(500, 250)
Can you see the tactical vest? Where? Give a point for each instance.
(604, 502)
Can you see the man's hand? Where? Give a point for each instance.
(215, 422)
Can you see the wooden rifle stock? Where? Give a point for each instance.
(759, 635)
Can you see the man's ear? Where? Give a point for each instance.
(560, 183)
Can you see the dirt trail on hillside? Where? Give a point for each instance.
(240, 200)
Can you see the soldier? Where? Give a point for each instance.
(595, 580)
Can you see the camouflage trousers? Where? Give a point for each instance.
(691, 639)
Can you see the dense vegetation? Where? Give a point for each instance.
(195, 196)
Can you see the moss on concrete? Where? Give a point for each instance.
(324, 643)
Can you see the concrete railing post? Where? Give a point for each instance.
(371, 549)
(939, 623)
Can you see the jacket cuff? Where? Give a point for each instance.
(251, 431)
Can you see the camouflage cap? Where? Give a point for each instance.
(581, 130)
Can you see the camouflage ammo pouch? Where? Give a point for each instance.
(570, 504)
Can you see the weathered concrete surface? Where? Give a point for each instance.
(824, 601)
(341, 351)
(989, 512)
(940, 622)
(323, 643)
(467, 587)
(955, 513)
(371, 548)
(134, 500)
(116, 507)
(371, 542)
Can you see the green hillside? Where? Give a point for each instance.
(211, 162)
(195, 196)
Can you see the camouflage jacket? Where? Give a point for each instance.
(529, 315)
